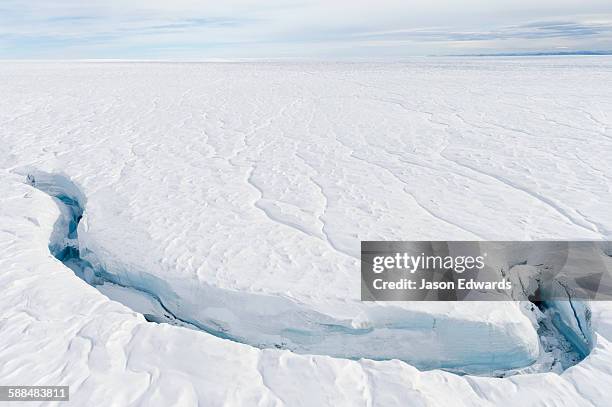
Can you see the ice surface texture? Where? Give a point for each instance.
(247, 187)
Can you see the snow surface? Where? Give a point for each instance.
(238, 194)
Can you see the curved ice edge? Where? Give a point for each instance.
(316, 328)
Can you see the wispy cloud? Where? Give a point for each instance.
(532, 30)
(279, 28)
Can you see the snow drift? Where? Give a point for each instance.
(238, 194)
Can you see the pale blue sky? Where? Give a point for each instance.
(189, 29)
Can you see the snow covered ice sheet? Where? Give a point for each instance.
(238, 193)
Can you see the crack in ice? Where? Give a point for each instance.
(68, 251)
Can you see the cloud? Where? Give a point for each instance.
(532, 30)
(286, 28)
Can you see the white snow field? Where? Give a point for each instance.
(230, 199)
